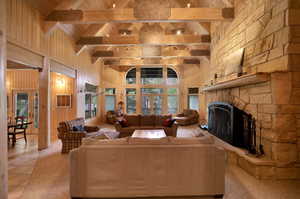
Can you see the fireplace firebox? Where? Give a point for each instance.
(232, 125)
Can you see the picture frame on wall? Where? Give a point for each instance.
(63, 101)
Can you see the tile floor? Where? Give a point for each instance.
(44, 175)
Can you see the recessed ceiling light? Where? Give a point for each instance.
(178, 32)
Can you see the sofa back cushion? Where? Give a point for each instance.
(68, 125)
(105, 141)
(133, 120)
(147, 141)
(159, 120)
(148, 120)
(191, 140)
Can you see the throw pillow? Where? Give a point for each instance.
(78, 128)
(124, 123)
(168, 122)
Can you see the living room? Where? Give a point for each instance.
(147, 99)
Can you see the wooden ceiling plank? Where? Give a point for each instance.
(127, 15)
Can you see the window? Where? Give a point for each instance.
(152, 91)
(156, 90)
(172, 100)
(91, 101)
(152, 75)
(171, 77)
(193, 98)
(131, 76)
(110, 99)
(131, 100)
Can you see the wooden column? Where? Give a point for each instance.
(44, 106)
(3, 99)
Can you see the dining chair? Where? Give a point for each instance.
(19, 128)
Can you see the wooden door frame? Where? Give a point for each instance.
(31, 95)
(3, 103)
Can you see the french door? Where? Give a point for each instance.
(26, 104)
(152, 104)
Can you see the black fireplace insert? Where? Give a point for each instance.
(232, 125)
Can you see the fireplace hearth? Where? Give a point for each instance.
(232, 125)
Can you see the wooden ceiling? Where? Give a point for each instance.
(176, 29)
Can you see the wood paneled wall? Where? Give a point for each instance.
(61, 84)
(25, 30)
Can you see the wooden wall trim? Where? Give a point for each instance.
(23, 56)
(44, 106)
(3, 106)
(63, 69)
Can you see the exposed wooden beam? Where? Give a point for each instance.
(95, 29)
(175, 53)
(135, 40)
(49, 27)
(150, 62)
(128, 15)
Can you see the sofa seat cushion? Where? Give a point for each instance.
(148, 120)
(93, 134)
(191, 140)
(147, 141)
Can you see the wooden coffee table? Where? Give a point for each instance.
(151, 134)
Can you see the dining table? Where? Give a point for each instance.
(15, 125)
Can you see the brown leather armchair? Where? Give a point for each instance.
(188, 117)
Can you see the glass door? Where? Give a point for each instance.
(26, 104)
(146, 105)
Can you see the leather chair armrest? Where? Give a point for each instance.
(91, 128)
(180, 115)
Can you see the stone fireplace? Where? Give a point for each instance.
(269, 33)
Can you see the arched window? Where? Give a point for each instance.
(156, 92)
(131, 76)
(171, 77)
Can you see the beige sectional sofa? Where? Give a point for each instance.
(146, 122)
(138, 167)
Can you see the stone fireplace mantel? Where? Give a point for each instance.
(240, 81)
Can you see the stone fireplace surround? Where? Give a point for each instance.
(274, 105)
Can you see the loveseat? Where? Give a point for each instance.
(72, 139)
(138, 167)
(187, 117)
(135, 122)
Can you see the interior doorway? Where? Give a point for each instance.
(26, 104)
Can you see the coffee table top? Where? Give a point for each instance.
(151, 134)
